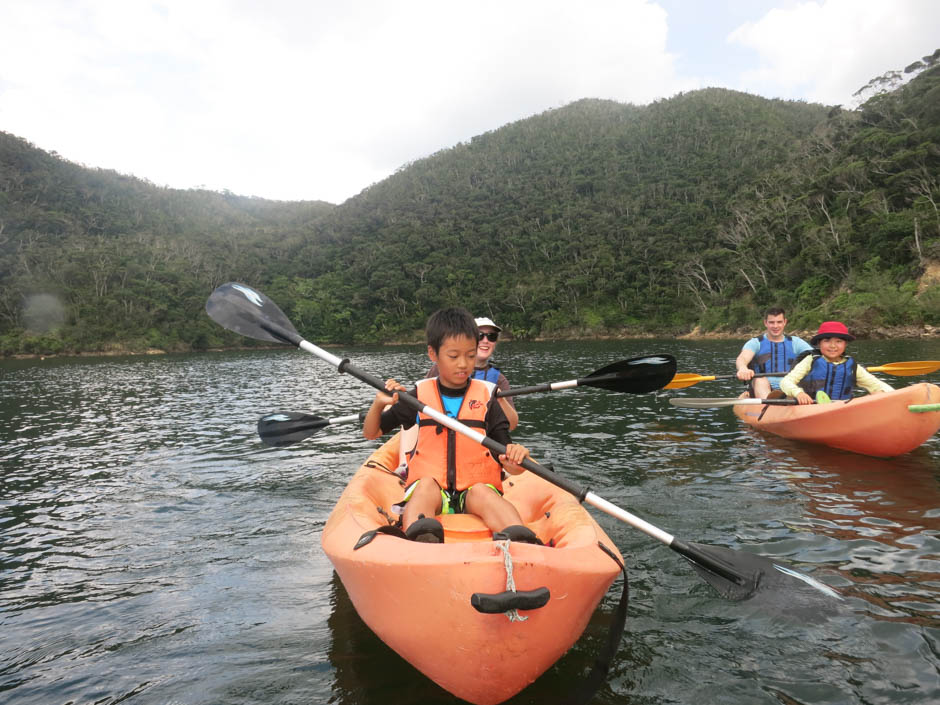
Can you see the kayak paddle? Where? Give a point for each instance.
(687, 379)
(899, 369)
(734, 574)
(638, 375)
(715, 402)
(286, 427)
(908, 369)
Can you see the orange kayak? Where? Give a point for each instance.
(882, 425)
(417, 597)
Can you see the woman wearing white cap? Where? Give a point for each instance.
(489, 334)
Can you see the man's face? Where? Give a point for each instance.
(775, 325)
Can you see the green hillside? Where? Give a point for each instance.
(93, 260)
(597, 218)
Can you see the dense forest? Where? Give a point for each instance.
(593, 219)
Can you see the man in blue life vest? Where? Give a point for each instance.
(774, 351)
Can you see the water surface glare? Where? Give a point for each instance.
(152, 550)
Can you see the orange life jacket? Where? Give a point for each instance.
(453, 460)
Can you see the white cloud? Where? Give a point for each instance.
(825, 51)
(306, 100)
(317, 99)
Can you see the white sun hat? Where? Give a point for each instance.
(487, 322)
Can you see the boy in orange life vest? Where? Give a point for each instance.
(450, 473)
(489, 334)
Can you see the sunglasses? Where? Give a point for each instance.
(492, 337)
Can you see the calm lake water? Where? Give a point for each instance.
(152, 550)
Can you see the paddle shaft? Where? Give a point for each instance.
(716, 402)
(250, 313)
(582, 494)
(898, 369)
(756, 374)
(314, 424)
(677, 545)
(556, 386)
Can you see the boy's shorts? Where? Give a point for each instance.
(452, 501)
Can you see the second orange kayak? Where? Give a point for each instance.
(881, 425)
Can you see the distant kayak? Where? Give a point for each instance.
(883, 425)
(426, 601)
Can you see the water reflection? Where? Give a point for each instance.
(883, 517)
(152, 550)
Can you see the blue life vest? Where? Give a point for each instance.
(774, 357)
(487, 374)
(837, 381)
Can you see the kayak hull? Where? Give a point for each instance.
(877, 424)
(417, 597)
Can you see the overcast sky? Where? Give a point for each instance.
(318, 99)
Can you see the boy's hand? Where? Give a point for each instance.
(804, 398)
(514, 455)
(392, 386)
(372, 424)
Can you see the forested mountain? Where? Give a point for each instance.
(597, 218)
(93, 260)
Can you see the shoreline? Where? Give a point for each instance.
(898, 333)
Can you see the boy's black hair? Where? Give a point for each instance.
(775, 311)
(450, 322)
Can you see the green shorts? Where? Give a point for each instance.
(452, 501)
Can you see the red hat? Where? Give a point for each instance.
(831, 329)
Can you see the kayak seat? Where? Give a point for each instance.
(464, 528)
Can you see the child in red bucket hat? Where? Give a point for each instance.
(834, 329)
(829, 373)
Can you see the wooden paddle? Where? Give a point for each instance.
(899, 369)
(734, 574)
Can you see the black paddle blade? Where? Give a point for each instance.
(287, 427)
(742, 572)
(241, 309)
(637, 375)
(746, 574)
